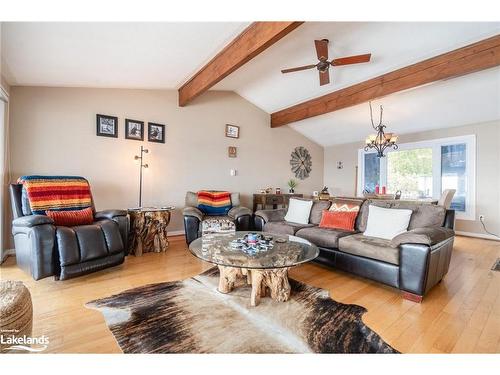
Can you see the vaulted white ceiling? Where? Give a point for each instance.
(110, 54)
(165, 55)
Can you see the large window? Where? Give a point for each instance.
(423, 170)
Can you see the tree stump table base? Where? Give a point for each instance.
(148, 231)
(275, 280)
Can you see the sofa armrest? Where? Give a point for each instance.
(425, 236)
(236, 212)
(110, 214)
(272, 215)
(193, 211)
(31, 221)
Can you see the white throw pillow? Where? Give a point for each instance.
(386, 223)
(298, 211)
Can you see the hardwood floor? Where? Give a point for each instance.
(460, 315)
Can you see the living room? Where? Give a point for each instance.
(167, 184)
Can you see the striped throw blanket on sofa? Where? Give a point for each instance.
(56, 193)
(214, 202)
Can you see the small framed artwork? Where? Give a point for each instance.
(107, 126)
(232, 131)
(134, 129)
(231, 151)
(156, 132)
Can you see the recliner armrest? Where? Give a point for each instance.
(236, 212)
(31, 221)
(425, 236)
(110, 214)
(193, 211)
(272, 215)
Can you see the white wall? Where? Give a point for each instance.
(342, 181)
(53, 131)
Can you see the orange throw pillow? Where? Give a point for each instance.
(344, 220)
(72, 218)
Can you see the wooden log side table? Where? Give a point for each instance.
(148, 230)
(272, 200)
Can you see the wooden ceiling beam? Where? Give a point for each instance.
(469, 59)
(252, 41)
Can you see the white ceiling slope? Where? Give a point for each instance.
(470, 99)
(110, 54)
(393, 46)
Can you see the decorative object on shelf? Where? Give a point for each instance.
(156, 132)
(134, 129)
(232, 131)
(269, 190)
(324, 195)
(274, 200)
(148, 229)
(141, 166)
(107, 126)
(380, 141)
(277, 190)
(292, 184)
(301, 162)
(231, 151)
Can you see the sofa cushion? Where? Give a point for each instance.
(369, 247)
(317, 211)
(71, 218)
(299, 211)
(387, 223)
(284, 227)
(424, 214)
(323, 237)
(342, 220)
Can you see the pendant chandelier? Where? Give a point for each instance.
(380, 141)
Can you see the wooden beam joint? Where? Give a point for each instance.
(252, 41)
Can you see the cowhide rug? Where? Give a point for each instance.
(191, 316)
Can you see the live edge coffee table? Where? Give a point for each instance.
(264, 269)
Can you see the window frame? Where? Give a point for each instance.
(435, 144)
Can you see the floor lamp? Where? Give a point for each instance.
(141, 166)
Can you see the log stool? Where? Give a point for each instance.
(16, 310)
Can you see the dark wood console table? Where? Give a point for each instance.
(273, 200)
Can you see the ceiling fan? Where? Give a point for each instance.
(323, 65)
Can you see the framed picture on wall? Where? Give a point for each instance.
(232, 131)
(156, 132)
(231, 151)
(107, 126)
(134, 129)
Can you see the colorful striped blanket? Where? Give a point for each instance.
(56, 193)
(214, 202)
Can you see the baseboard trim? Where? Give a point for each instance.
(176, 233)
(7, 253)
(477, 235)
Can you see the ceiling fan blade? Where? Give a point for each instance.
(321, 49)
(298, 68)
(351, 60)
(324, 78)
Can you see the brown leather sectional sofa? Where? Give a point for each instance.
(414, 261)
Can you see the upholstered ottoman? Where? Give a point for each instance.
(16, 311)
(217, 224)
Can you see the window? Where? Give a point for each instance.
(423, 170)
